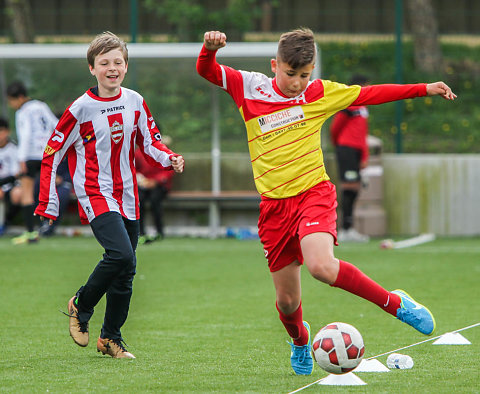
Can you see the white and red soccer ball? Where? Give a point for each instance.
(338, 348)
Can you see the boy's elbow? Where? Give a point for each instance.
(199, 67)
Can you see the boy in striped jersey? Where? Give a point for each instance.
(34, 123)
(297, 224)
(10, 191)
(98, 132)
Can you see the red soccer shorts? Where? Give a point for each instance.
(284, 222)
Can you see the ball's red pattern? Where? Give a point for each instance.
(338, 348)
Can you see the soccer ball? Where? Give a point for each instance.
(338, 348)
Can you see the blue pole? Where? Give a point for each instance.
(133, 32)
(133, 19)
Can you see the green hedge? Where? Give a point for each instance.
(429, 124)
(180, 100)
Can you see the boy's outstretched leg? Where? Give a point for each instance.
(415, 314)
(398, 303)
(318, 255)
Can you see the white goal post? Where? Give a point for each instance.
(164, 50)
(139, 50)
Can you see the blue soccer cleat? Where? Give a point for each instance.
(301, 357)
(415, 314)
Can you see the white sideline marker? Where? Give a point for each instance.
(391, 351)
(407, 243)
(371, 365)
(347, 379)
(452, 338)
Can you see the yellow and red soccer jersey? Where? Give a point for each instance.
(283, 133)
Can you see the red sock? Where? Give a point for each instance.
(294, 326)
(351, 279)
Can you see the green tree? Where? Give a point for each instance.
(21, 23)
(424, 26)
(191, 18)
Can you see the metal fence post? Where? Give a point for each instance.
(399, 71)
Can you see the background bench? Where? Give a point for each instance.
(217, 211)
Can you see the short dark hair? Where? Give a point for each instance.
(16, 89)
(4, 123)
(297, 47)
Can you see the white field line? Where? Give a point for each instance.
(418, 240)
(440, 249)
(426, 340)
(393, 351)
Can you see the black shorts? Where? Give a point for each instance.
(33, 168)
(348, 160)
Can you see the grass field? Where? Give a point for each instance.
(203, 319)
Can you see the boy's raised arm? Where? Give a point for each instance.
(207, 66)
(214, 40)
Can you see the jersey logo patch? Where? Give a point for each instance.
(117, 131)
(281, 119)
(115, 121)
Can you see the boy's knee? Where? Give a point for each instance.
(124, 257)
(128, 258)
(287, 304)
(324, 269)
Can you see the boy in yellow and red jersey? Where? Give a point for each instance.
(297, 223)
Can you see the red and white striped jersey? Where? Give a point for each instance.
(284, 133)
(99, 135)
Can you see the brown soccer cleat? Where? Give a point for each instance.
(78, 331)
(113, 347)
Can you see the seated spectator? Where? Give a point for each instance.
(153, 186)
(10, 191)
(34, 123)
